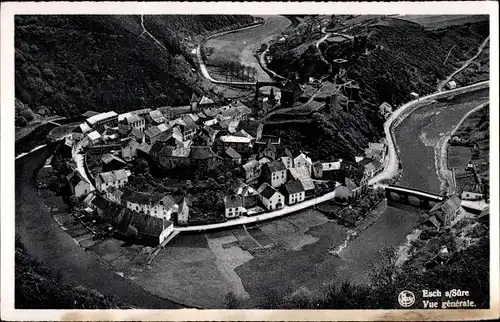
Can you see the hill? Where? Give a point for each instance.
(389, 58)
(67, 64)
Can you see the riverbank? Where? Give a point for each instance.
(446, 175)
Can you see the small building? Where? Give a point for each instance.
(233, 206)
(183, 214)
(137, 135)
(78, 185)
(414, 96)
(274, 173)
(472, 191)
(285, 156)
(303, 160)
(252, 127)
(385, 109)
(94, 137)
(447, 210)
(128, 123)
(156, 133)
(114, 195)
(99, 121)
(251, 170)
(451, 84)
(294, 192)
(241, 145)
(376, 151)
(155, 117)
(111, 162)
(270, 197)
(269, 151)
(309, 187)
(247, 192)
(233, 155)
(117, 178)
(129, 149)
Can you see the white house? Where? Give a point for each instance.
(117, 178)
(129, 149)
(157, 205)
(168, 229)
(163, 207)
(78, 185)
(294, 192)
(270, 197)
(274, 172)
(303, 160)
(472, 192)
(233, 206)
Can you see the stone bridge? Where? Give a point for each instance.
(402, 194)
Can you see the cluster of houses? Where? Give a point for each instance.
(204, 135)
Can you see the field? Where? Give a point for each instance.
(279, 256)
(241, 46)
(443, 21)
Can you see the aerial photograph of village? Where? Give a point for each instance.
(252, 162)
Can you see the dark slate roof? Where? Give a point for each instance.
(233, 201)
(89, 114)
(136, 196)
(266, 190)
(274, 166)
(100, 202)
(74, 178)
(232, 153)
(250, 126)
(201, 152)
(293, 187)
(284, 152)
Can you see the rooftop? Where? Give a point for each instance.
(266, 190)
(293, 187)
(233, 201)
(100, 117)
(276, 165)
(113, 176)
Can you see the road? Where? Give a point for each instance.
(266, 216)
(391, 168)
(80, 162)
(57, 250)
(467, 63)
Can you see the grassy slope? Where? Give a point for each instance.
(71, 64)
(36, 287)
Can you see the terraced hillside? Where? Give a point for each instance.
(67, 65)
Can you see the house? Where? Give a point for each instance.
(99, 203)
(156, 133)
(129, 149)
(298, 173)
(472, 191)
(252, 127)
(447, 210)
(137, 135)
(157, 205)
(270, 197)
(264, 160)
(414, 96)
(303, 160)
(78, 185)
(285, 156)
(251, 170)
(117, 178)
(111, 162)
(370, 167)
(93, 137)
(194, 103)
(128, 123)
(203, 157)
(183, 214)
(241, 145)
(233, 126)
(274, 173)
(233, 155)
(80, 131)
(167, 112)
(233, 206)
(248, 193)
(326, 169)
(451, 84)
(205, 103)
(155, 117)
(99, 121)
(309, 187)
(114, 195)
(269, 151)
(294, 192)
(236, 111)
(188, 131)
(376, 151)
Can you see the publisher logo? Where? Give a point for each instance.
(406, 298)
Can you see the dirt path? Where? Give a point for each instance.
(465, 65)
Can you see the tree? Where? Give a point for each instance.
(232, 301)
